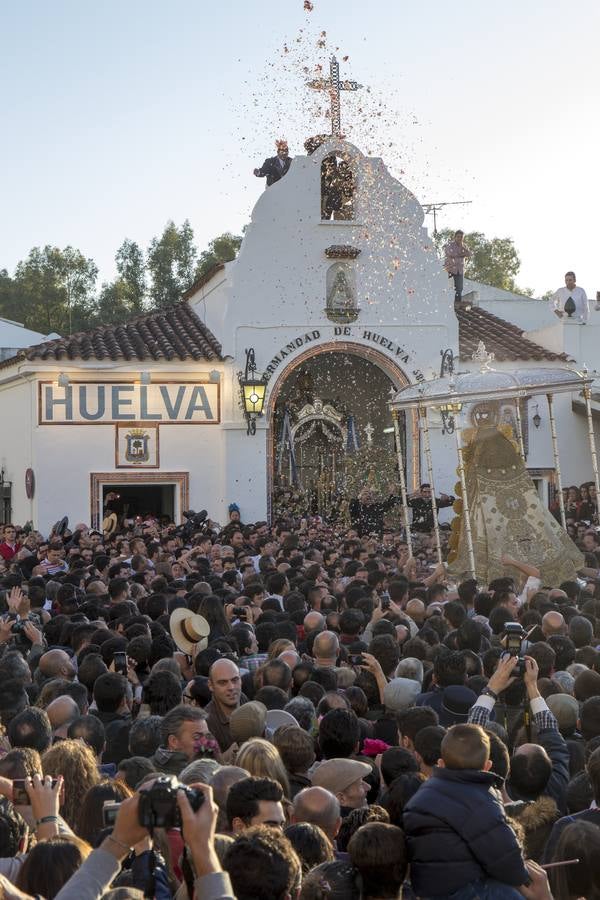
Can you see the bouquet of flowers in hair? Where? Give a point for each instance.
(206, 747)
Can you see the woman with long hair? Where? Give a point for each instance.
(89, 819)
(212, 609)
(50, 864)
(261, 759)
(580, 840)
(586, 508)
(76, 762)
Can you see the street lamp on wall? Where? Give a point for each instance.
(447, 411)
(253, 390)
(537, 419)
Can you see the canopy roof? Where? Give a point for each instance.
(490, 384)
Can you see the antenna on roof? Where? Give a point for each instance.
(435, 208)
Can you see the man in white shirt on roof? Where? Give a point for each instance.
(577, 294)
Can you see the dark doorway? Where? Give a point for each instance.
(334, 410)
(142, 499)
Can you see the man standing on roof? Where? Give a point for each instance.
(577, 294)
(275, 167)
(455, 253)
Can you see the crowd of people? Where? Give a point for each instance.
(256, 711)
(581, 507)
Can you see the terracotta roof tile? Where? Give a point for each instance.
(504, 340)
(172, 333)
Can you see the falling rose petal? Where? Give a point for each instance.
(308, 6)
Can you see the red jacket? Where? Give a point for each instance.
(7, 552)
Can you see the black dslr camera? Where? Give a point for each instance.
(17, 628)
(157, 806)
(514, 634)
(195, 523)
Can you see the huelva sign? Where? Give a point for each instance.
(89, 403)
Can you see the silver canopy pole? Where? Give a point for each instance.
(465, 499)
(520, 429)
(587, 393)
(561, 500)
(424, 420)
(399, 457)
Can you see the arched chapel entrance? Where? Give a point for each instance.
(331, 431)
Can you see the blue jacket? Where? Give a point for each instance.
(456, 833)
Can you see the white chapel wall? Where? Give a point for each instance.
(17, 446)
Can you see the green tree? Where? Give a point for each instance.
(171, 264)
(222, 249)
(113, 304)
(53, 290)
(124, 298)
(493, 261)
(7, 296)
(131, 267)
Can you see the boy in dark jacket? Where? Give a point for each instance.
(460, 844)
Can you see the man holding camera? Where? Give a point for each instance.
(550, 753)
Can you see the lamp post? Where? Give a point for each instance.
(253, 390)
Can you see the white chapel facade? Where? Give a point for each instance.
(339, 312)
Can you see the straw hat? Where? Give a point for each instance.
(188, 629)
(109, 524)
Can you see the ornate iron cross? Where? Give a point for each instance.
(334, 86)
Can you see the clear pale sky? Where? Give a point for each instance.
(117, 116)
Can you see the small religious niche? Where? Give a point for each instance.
(337, 189)
(341, 293)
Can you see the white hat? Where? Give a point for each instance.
(277, 718)
(188, 629)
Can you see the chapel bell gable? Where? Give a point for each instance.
(337, 165)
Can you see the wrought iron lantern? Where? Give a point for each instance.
(253, 390)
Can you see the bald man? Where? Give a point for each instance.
(290, 658)
(326, 648)
(62, 712)
(225, 685)
(318, 807)
(553, 623)
(415, 609)
(314, 621)
(56, 664)
(96, 587)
